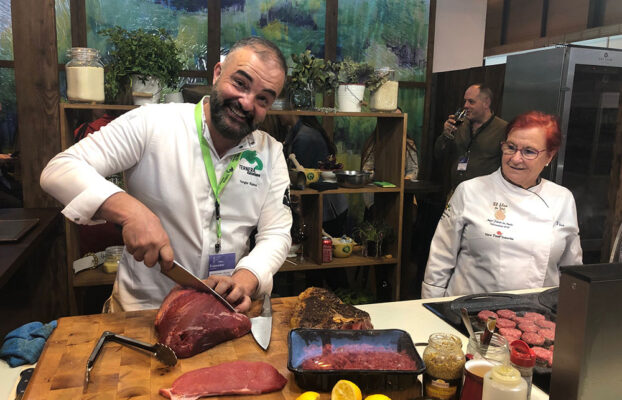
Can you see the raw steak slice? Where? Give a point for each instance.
(543, 356)
(534, 316)
(190, 322)
(542, 323)
(505, 323)
(484, 314)
(509, 314)
(532, 338)
(528, 327)
(321, 309)
(547, 334)
(510, 334)
(236, 377)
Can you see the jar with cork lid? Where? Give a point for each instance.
(85, 76)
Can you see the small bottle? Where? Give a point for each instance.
(523, 358)
(504, 382)
(85, 75)
(113, 257)
(444, 361)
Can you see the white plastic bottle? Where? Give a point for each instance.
(504, 382)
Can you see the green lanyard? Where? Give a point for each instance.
(211, 173)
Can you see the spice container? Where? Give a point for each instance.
(384, 98)
(85, 75)
(504, 382)
(497, 351)
(523, 358)
(444, 361)
(113, 257)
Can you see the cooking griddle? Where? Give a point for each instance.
(544, 303)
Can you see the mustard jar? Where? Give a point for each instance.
(112, 259)
(444, 362)
(85, 75)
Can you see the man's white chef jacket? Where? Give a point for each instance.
(158, 148)
(495, 236)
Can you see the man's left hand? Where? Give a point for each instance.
(236, 289)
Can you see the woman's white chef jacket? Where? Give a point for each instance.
(158, 148)
(495, 236)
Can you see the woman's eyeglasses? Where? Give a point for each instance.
(528, 153)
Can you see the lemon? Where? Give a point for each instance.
(345, 390)
(309, 396)
(377, 397)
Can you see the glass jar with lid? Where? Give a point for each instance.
(113, 257)
(383, 90)
(85, 75)
(444, 362)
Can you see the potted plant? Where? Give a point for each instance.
(140, 57)
(310, 75)
(383, 90)
(352, 78)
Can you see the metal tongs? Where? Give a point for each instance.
(162, 352)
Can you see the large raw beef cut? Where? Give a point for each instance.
(190, 322)
(236, 377)
(321, 309)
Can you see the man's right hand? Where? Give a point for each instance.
(449, 127)
(143, 234)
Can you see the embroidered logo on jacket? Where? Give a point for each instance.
(251, 157)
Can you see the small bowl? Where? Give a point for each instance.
(312, 175)
(353, 179)
(328, 176)
(342, 247)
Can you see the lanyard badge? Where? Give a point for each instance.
(211, 173)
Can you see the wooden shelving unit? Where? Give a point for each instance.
(389, 156)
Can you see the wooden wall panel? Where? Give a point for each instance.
(36, 84)
(525, 17)
(213, 37)
(494, 23)
(565, 16)
(449, 94)
(613, 12)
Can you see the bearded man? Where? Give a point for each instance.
(199, 179)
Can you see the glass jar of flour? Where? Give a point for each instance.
(85, 76)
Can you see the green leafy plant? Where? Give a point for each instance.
(143, 53)
(375, 233)
(310, 72)
(352, 72)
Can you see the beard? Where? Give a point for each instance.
(228, 127)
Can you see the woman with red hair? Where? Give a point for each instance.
(511, 229)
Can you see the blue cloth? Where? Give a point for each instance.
(25, 344)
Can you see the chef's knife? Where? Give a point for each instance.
(261, 326)
(25, 376)
(183, 277)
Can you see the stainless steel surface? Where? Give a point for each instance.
(581, 85)
(352, 179)
(587, 344)
(467, 321)
(183, 277)
(261, 326)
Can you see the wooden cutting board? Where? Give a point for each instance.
(121, 372)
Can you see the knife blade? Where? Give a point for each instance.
(25, 376)
(261, 326)
(183, 277)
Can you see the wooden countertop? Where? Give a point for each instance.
(124, 373)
